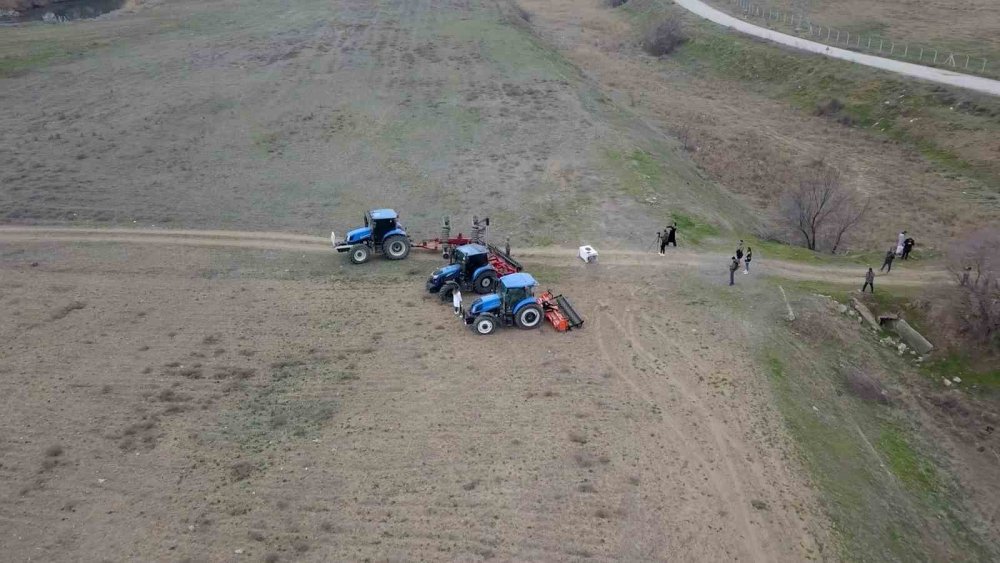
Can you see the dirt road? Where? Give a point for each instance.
(705, 262)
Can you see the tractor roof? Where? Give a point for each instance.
(518, 280)
(472, 249)
(383, 214)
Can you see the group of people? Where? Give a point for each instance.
(668, 236)
(904, 245)
(734, 262)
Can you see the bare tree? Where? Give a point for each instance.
(975, 262)
(820, 208)
(847, 217)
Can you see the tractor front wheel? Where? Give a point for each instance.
(396, 247)
(447, 290)
(485, 283)
(529, 317)
(360, 253)
(484, 324)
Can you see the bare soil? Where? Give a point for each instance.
(201, 401)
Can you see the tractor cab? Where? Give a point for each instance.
(382, 222)
(470, 268)
(470, 257)
(382, 233)
(513, 304)
(515, 289)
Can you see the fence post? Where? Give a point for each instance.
(935, 56)
(828, 34)
(921, 57)
(869, 41)
(984, 65)
(880, 43)
(893, 48)
(906, 50)
(848, 38)
(967, 57)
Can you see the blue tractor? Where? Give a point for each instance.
(514, 303)
(382, 233)
(473, 267)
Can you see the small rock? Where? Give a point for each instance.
(842, 308)
(947, 382)
(101, 480)
(957, 379)
(901, 348)
(758, 504)
(238, 551)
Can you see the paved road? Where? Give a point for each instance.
(941, 76)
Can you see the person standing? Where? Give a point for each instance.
(672, 234)
(899, 243)
(506, 247)
(456, 301)
(907, 247)
(746, 261)
(662, 239)
(887, 263)
(478, 230)
(965, 275)
(869, 280)
(733, 266)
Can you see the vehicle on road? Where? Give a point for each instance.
(382, 234)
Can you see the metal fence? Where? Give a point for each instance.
(871, 43)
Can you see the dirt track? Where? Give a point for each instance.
(699, 261)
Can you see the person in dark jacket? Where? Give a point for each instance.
(907, 247)
(733, 266)
(869, 280)
(739, 252)
(887, 263)
(672, 234)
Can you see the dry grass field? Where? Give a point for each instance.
(247, 394)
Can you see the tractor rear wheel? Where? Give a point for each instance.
(396, 247)
(360, 253)
(484, 324)
(485, 283)
(529, 317)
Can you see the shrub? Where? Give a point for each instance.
(615, 3)
(664, 37)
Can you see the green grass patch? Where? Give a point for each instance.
(915, 472)
(639, 172)
(884, 493)
(692, 229)
(516, 53)
(972, 373)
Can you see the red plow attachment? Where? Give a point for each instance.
(559, 312)
(436, 244)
